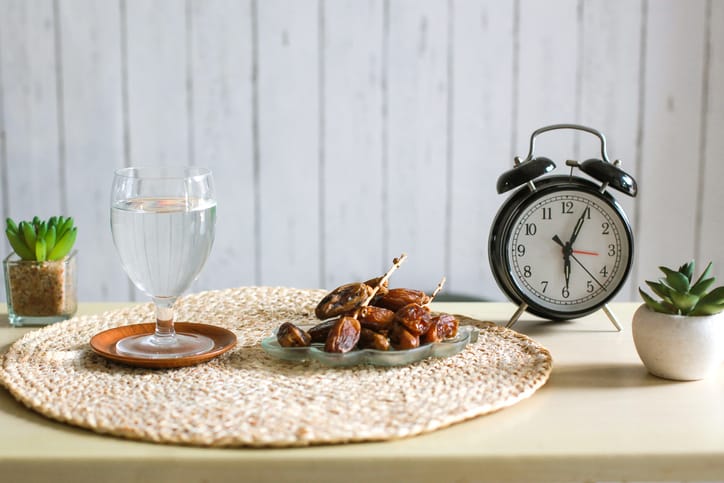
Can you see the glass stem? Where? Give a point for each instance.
(165, 333)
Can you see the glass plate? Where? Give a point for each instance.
(466, 335)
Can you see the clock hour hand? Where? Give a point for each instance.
(566, 258)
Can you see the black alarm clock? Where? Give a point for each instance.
(561, 246)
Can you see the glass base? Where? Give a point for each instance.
(34, 321)
(150, 346)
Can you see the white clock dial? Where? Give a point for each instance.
(568, 251)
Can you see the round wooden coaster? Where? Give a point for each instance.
(104, 344)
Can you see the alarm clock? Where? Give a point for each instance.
(561, 246)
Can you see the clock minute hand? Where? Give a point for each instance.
(577, 228)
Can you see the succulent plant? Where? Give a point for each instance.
(682, 297)
(42, 240)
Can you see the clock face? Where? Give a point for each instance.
(564, 250)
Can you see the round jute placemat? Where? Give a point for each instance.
(247, 398)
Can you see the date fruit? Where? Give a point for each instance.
(343, 335)
(289, 335)
(402, 339)
(444, 326)
(376, 318)
(319, 332)
(396, 298)
(415, 318)
(369, 339)
(342, 300)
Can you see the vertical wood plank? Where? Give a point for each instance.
(481, 120)
(30, 103)
(610, 91)
(352, 146)
(288, 137)
(712, 196)
(221, 63)
(417, 151)
(548, 79)
(157, 86)
(157, 82)
(4, 185)
(90, 46)
(671, 135)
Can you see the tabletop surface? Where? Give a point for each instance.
(600, 417)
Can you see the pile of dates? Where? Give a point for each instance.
(394, 318)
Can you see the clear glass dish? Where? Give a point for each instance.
(466, 335)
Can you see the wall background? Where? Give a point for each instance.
(343, 132)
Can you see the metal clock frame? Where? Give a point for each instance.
(522, 175)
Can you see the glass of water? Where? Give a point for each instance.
(163, 221)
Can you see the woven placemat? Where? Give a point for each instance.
(247, 398)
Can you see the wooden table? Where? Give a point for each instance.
(601, 417)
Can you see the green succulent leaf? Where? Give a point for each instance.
(685, 302)
(708, 309)
(660, 289)
(701, 287)
(65, 228)
(687, 270)
(36, 220)
(28, 233)
(652, 303)
(52, 221)
(63, 245)
(715, 297)
(18, 245)
(50, 238)
(40, 249)
(705, 274)
(42, 230)
(10, 224)
(676, 280)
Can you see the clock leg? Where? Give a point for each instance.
(516, 315)
(611, 317)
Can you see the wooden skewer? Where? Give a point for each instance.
(437, 290)
(396, 262)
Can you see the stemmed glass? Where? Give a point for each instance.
(163, 221)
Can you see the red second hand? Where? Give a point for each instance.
(584, 252)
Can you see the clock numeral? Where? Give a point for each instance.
(605, 227)
(567, 207)
(588, 212)
(604, 271)
(565, 293)
(545, 285)
(527, 273)
(611, 249)
(589, 287)
(520, 250)
(530, 229)
(547, 212)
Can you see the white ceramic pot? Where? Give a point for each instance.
(677, 346)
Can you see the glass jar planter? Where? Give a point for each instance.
(40, 293)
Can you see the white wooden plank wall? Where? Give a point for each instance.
(345, 132)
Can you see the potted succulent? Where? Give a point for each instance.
(681, 335)
(40, 275)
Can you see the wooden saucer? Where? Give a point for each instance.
(104, 344)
